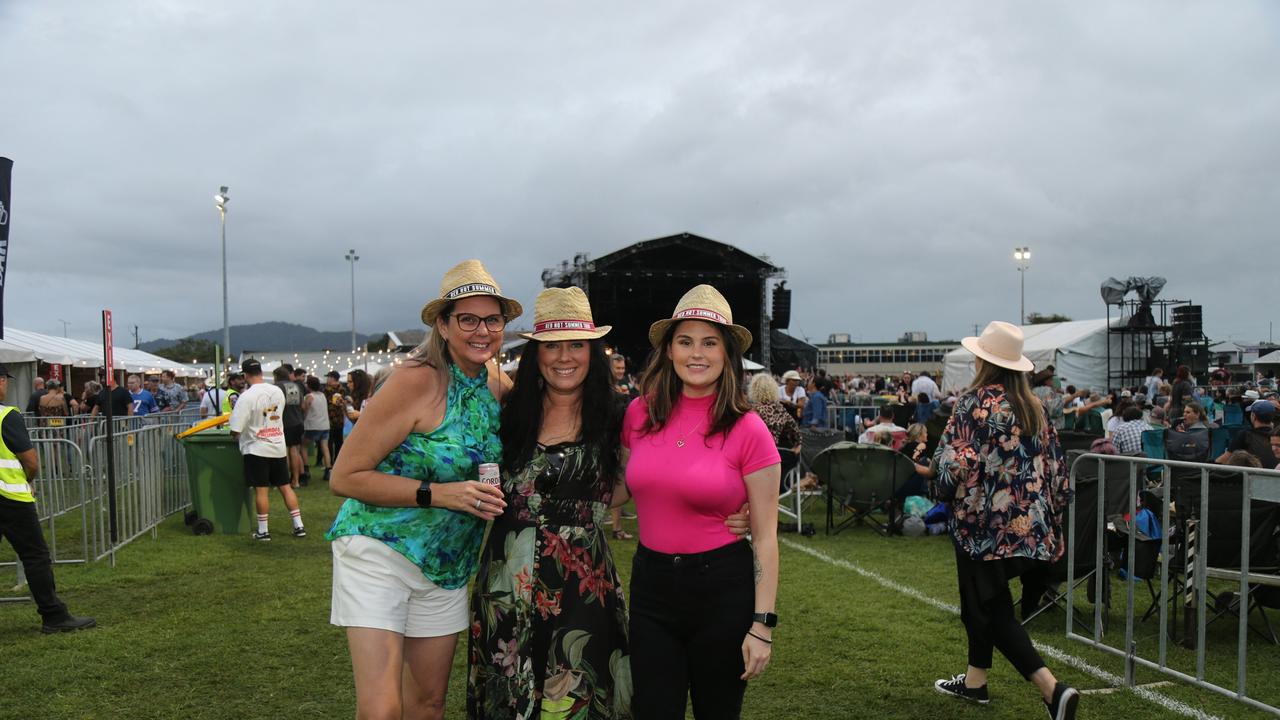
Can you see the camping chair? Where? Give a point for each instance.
(1076, 439)
(791, 499)
(1083, 525)
(861, 479)
(789, 490)
(1221, 545)
(1146, 553)
(937, 425)
(1219, 439)
(1153, 447)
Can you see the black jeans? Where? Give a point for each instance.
(986, 608)
(20, 525)
(689, 616)
(335, 442)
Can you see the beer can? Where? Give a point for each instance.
(489, 474)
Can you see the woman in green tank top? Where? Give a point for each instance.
(408, 538)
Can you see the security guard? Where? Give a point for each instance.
(19, 523)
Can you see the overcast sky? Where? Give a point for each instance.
(888, 155)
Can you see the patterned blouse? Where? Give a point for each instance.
(1007, 493)
(444, 543)
(782, 424)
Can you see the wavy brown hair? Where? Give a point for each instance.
(1027, 408)
(661, 387)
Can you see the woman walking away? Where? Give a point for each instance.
(406, 542)
(1001, 470)
(702, 612)
(548, 622)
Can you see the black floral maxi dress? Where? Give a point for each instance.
(548, 633)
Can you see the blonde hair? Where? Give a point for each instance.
(762, 389)
(917, 432)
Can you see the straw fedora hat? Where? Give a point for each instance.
(563, 314)
(469, 279)
(1000, 344)
(704, 303)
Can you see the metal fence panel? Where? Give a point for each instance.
(1164, 480)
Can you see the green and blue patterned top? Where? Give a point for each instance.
(444, 543)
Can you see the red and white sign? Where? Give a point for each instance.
(55, 372)
(107, 348)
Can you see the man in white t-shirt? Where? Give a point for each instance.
(924, 384)
(257, 424)
(883, 424)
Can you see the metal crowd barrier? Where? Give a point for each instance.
(71, 489)
(1259, 493)
(840, 417)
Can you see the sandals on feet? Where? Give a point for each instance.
(621, 534)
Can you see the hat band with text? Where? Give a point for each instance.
(471, 289)
(553, 325)
(701, 314)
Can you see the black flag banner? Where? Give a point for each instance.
(6, 174)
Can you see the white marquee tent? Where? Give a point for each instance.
(1076, 349)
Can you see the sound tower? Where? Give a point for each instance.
(781, 306)
(1188, 322)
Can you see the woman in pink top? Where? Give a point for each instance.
(702, 612)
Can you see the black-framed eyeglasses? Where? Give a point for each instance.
(469, 322)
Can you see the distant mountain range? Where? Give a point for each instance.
(270, 336)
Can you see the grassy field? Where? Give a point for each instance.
(223, 627)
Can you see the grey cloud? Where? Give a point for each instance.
(889, 155)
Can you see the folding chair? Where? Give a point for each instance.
(791, 498)
(1084, 527)
(863, 480)
(1220, 546)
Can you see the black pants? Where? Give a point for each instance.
(986, 608)
(689, 616)
(20, 525)
(335, 442)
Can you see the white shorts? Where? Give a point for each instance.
(376, 587)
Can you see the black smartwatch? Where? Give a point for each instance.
(767, 619)
(424, 494)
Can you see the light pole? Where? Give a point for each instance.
(221, 200)
(352, 257)
(1023, 256)
(64, 326)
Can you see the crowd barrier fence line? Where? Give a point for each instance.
(72, 489)
(1257, 486)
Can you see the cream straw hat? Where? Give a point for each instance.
(469, 279)
(1000, 344)
(563, 314)
(704, 303)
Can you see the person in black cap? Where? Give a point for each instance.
(336, 402)
(19, 522)
(1257, 437)
(256, 423)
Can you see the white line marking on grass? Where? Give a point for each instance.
(1111, 690)
(1052, 652)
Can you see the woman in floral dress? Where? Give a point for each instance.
(549, 624)
(1001, 472)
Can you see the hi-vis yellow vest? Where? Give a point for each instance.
(13, 479)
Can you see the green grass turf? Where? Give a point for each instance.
(223, 627)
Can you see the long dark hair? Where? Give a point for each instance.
(1027, 408)
(600, 414)
(661, 386)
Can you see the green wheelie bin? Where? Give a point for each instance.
(220, 500)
